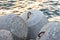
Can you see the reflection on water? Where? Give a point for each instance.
(6, 5)
(49, 8)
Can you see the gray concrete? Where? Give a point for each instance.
(52, 32)
(35, 21)
(14, 24)
(5, 35)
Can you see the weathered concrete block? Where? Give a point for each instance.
(52, 32)
(15, 24)
(5, 35)
(35, 20)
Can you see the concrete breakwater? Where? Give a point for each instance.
(26, 18)
(15, 24)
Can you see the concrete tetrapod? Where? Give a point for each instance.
(15, 24)
(52, 32)
(35, 20)
(42, 31)
(5, 35)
